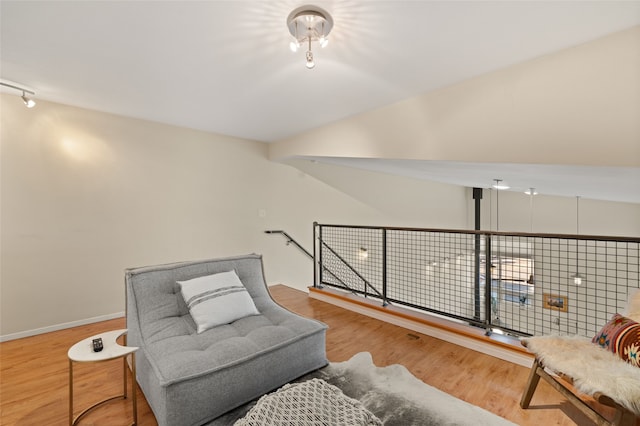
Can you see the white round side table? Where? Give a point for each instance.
(83, 352)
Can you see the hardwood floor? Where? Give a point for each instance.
(34, 371)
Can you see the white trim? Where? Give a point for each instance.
(522, 359)
(34, 332)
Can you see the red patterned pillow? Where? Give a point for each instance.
(621, 336)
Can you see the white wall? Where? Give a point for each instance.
(86, 195)
(557, 215)
(407, 202)
(403, 202)
(579, 106)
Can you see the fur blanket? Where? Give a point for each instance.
(592, 368)
(633, 307)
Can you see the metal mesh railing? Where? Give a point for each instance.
(350, 266)
(534, 288)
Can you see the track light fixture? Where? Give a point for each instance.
(307, 24)
(30, 103)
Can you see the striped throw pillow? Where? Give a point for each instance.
(217, 299)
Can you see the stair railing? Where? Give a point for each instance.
(290, 240)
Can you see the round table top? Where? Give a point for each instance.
(83, 350)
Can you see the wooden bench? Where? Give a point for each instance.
(604, 368)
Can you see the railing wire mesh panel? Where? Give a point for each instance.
(540, 284)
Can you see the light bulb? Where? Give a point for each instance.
(294, 45)
(500, 185)
(310, 63)
(577, 279)
(363, 253)
(30, 103)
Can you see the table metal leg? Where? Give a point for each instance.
(73, 422)
(124, 377)
(70, 393)
(133, 389)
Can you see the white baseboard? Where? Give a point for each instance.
(57, 327)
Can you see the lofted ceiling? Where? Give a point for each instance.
(225, 66)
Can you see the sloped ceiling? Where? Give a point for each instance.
(225, 66)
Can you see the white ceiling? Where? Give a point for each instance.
(225, 66)
(600, 183)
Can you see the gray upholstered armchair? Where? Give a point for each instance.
(190, 378)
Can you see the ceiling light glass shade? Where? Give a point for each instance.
(309, 24)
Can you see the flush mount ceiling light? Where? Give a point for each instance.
(307, 24)
(30, 103)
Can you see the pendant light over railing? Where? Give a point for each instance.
(577, 278)
(531, 192)
(499, 185)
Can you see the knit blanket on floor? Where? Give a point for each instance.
(314, 402)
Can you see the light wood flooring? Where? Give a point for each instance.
(34, 371)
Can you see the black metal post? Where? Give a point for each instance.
(477, 196)
(319, 256)
(487, 284)
(315, 260)
(384, 267)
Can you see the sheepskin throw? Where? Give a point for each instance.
(314, 402)
(592, 368)
(633, 307)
